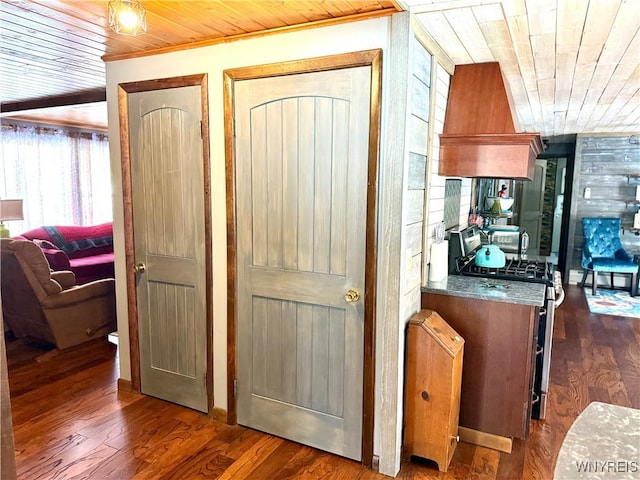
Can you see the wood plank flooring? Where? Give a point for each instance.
(70, 421)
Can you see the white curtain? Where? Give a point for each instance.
(62, 175)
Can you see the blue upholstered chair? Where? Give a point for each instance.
(603, 252)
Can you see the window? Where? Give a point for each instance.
(62, 174)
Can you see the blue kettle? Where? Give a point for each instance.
(490, 256)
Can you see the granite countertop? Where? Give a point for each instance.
(603, 442)
(478, 288)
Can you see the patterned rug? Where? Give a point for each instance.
(613, 302)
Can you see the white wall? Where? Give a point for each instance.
(213, 60)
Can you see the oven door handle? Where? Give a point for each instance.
(559, 298)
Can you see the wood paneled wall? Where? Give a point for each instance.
(419, 109)
(391, 269)
(603, 164)
(405, 196)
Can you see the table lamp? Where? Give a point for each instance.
(9, 210)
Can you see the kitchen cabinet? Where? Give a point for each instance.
(432, 388)
(499, 361)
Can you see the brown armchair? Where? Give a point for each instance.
(49, 306)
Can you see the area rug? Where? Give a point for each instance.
(613, 302)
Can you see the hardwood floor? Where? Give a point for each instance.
(70, 421)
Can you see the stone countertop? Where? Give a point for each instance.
(478, 288)
(603, 442)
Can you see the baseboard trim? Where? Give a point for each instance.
(375, 463)
(484, 439)
(219, 414)
(125, 386)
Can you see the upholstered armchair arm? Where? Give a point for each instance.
(80, 293)
(58, 260)
(66, 278)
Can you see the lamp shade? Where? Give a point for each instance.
(11, 210)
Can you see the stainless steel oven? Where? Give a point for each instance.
(554, 298)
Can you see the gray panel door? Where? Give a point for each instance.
(168, 216)
(301, 180)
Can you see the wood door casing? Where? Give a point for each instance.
(372, 58)
(124, 90)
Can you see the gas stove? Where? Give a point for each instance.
(466, 243)
(515, 268)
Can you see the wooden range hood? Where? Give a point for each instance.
(479, 138)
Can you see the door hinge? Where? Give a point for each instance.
(235, 388)
(233, 126)
(201, 132)
(204, 379)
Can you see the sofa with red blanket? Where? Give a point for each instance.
(85, 250)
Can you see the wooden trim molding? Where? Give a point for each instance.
(124, 89)
(126, 386)
(208, 240)
(89, 96)
(263, 33)
(484, 439)
(230, 179)
(218, 414)
(372, 58)
(371, 264)
(317, 64)
(129, 245)
(509, 155)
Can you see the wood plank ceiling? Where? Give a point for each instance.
(572, 66)
(51, 50)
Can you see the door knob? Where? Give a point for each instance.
(139, 268)
(352, 295)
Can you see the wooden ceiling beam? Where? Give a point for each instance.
(89, 96)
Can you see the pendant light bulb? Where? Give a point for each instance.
(127, 17)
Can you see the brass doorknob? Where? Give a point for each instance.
(352, 295)
(139, 268)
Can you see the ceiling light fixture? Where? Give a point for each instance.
(127, 17)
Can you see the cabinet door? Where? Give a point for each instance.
(497, 370)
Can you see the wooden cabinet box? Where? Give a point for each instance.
(432, 392)
(499, 362)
